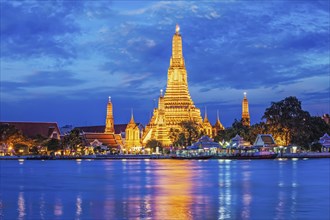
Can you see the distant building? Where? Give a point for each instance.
(325, 141)
(265, 140)
(133, 136)
(109, 122)
(103, 135)
(207, 127)
(326, 118)
(204, 142)
(66, 129)
(245, 111)
(34, 129)
(239, 142)
(120, 132)
(115, 136)
(217, 126)
(111, 140)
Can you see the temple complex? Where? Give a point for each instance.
(176, 104)
(245, 111)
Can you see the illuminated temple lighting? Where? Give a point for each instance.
(176, 104)
(109, 124)
(245, 111)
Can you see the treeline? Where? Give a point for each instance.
(285, 120)
(17, 143)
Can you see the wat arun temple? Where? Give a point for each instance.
(176, 104)
(174, 107)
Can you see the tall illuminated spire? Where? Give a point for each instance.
(109, 122)
(132, 117)
(245, 111)
(205, 116)
(177, 85)
(175, 105)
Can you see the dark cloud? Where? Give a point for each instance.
(43, 79)
(320, 96)
(37, 30)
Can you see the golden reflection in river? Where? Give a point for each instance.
(21, 205)
(174, 183)
(224, 189)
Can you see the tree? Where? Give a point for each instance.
(290, 124)
(236, 128)
(188, 133)
(314, 128)
(153, 144)
(73, 140)
(13, 138)
(53, 145)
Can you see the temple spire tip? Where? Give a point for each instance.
(132, 116)
(177, 29)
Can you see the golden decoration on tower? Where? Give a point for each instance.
(176, 105)
(109, 122)
(245, 111)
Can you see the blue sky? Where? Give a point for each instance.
(61, 60)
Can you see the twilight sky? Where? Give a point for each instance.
(61, 60)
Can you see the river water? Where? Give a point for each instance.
(165, 189)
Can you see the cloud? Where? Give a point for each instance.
(41, 79)
(33, 30)
(99, 49)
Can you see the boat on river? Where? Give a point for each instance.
(249, 157)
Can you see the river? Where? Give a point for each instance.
(165, 189)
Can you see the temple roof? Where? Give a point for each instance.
(264, 140)
(119, 128)
(107, 139)
(204, 142)
(32, 129)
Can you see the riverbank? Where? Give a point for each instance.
(147, 156)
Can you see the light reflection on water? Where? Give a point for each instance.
(21, 205)
(165, 189)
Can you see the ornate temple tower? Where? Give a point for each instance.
(176, 105)
(109, 123)
(245, 111)
(207, 125)
(132, 131)
(217, 126)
